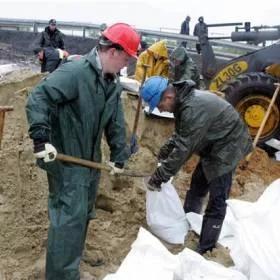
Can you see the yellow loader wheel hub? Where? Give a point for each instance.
(253, 108)
(254, 115)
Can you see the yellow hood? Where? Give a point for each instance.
(159, 48)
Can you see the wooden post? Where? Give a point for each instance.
(3, 110)
(267, 113)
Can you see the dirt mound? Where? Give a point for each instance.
(120, 203)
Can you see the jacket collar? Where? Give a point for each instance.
(184, 90)
(94, 60)
(49, 31)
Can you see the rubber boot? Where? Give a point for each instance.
(209, 235)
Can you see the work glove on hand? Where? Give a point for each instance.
(116, 167)
(153, 183)
(44, 150)
(163, 154)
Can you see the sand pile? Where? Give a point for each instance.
(120, 203)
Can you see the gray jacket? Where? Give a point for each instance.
(209, 126)
(200, 29)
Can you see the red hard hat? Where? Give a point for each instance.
(125, 36)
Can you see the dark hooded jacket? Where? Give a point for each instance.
(185, 27)
(209, 126)
(51, 39)
(200, 29)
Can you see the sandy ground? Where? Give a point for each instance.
(120, 203)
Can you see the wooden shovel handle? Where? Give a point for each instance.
(97, 165)
(136, 120)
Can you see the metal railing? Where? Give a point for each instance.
(222, 48)
(35, 25)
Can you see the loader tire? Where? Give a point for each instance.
(250, 94)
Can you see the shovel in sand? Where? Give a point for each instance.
(133, 140)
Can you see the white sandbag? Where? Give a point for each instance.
(165, 214)
(147, 260)
(130, 84)
(195, 267)
(257, 246)
(195, 221)
(150, 260)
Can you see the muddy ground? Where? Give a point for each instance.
(120, 203)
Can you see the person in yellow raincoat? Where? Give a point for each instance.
(156, 56)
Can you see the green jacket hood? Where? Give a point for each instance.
(179, 54)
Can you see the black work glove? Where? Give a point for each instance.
(119, 165)
(39, 145)
(163, 153)
(154, 183)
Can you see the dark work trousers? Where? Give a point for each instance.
(198, 48)
(218, 188)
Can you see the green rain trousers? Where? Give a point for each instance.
(71, 206)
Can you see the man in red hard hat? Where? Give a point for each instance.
(68, 112)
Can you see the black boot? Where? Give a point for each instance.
(209, 235)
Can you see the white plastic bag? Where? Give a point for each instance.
(148, 259)
(165, 214)
(129, 84)
(196, 267)
(256, 250)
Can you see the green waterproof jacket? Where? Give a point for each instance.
(73, 106)
(182, 67)
(209, 126)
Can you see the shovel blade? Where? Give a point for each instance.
(133, 145)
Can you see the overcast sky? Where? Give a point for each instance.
(150, 14)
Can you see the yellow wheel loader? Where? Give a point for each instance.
(248, 84)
